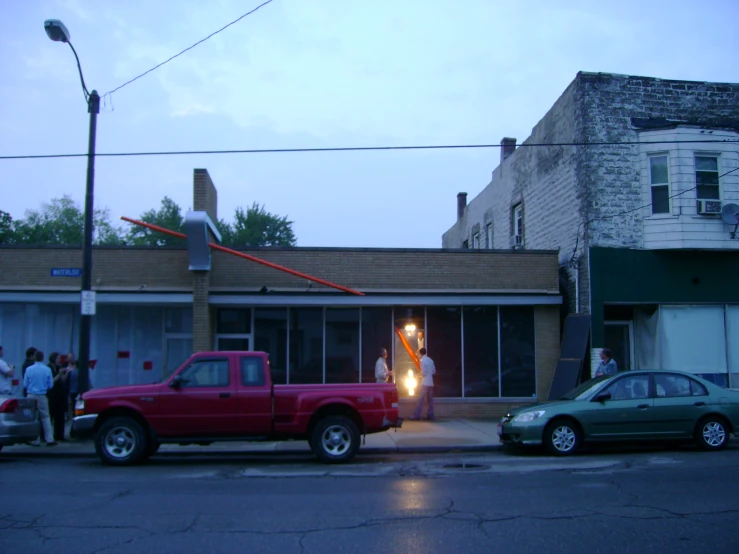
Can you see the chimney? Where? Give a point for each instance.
(461, 204)
(507, 147)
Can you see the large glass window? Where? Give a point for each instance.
(517, 351)
(377, 333)
(481, 351)
(306, 345)
(178, 320)
(270, 336)
(444, 345)
(233, 321)
(410, 324)
(342, 345)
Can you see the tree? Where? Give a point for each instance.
(6, 228)
(257, 227)
(61, 221)
(168, 216)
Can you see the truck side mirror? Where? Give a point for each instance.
(176, 382)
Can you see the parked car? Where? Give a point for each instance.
(628, 406)
(18, 420)
(225, 396)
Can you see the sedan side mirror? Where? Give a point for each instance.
(602, 397)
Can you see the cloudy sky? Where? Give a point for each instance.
(320, 73)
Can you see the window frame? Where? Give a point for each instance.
(476, 241)
(489, 236)
(717, 157)
(653, 185)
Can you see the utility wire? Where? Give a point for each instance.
(573, 262)
(362, 149)
(188, 48)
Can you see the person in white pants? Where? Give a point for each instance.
(37, 381)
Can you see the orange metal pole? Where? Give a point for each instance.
(408, 349)
(245, 256)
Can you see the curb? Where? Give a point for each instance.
(260, 453)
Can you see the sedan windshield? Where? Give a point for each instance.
(584, 390)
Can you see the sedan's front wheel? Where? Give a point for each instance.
(562, 437)
(711, 433)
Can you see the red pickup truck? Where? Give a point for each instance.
(229, 396)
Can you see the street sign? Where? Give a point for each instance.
(88, 302)
(66, 271)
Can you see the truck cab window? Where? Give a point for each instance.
(206, 373)
(252, 371)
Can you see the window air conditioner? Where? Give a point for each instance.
(516, 241)
(709, 207)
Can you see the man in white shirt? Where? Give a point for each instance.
(6, 374)
(37, 381)
(381, 370)
(427, 387)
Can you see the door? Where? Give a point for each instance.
(254, 397)
(204, 404)
(678, 404)
(619, 338)
(626, 415)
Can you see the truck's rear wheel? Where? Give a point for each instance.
(121, 441)
(335, 439)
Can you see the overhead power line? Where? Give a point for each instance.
(362, 149)
(188, 48)
(573, 262)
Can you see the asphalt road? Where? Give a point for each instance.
(641, 501)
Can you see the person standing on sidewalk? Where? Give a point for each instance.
(72, 383)
(37, 381)
(28, 362)
(57, 396)
(381, 370)
(6, 375)
(428, 369)
(607, 365)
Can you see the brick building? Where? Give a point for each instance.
(489, 319)
(635, 215)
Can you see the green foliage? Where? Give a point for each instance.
(257, 227)
(168, 216)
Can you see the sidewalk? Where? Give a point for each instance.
(450, 435)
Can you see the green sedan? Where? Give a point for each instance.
(628, 406)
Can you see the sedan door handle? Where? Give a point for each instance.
(699, 404)
(224, 395)
(643, 406)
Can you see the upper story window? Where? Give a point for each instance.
(518, 220)
(489, 236)
(476, 241)
(465, 244)
(706, 178)
(659, 180)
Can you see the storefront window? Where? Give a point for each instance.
(178, 320)
(517, 345)
(270, 336)
(306, 345)
(342, 345)
(410, 335)
(377, 333)
(233, 321)
(481, 351)
(444, 345)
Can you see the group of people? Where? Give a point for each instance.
(426, 393)
(52, 384)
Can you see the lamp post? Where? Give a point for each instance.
(57, 32)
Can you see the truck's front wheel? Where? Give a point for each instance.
(335, 439)
(121, 441)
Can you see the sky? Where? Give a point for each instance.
(316, 74)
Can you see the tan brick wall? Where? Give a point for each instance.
(202, 325)
(546, 326)
(205, 196)
(112, 269)
(391, 269)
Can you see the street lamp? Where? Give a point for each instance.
(57, 32)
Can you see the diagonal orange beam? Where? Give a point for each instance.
(215, 246)
(408, 349)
